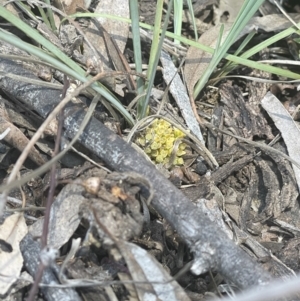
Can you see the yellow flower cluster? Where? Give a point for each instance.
(158, 142)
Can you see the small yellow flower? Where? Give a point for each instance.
(178, 133)
(178, 161)
(148, 150)
(155, 145)
(180, 153)
(141, 141)
(159, 159)
(154, 153)
(164, 153)
(182, 146)
(148, 137)
(158, 142)
(169, 144)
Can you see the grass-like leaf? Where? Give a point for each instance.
(178, 7)
(50, 16)
(277, 37)
(229, 66)
(247, 11)
(63, 63)
(44, 17)
(27, 10)
(191, 10)
(238, 60)
(144, 102)
(134, 14)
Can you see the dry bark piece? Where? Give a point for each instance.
(249, 199)
(70, 40)
(229, 168)
(287, 126)
(180, 95)
(268, 8)
(235, 152)
(201, 14)
(289, 254)
(257, 90)
(118, 30)
(79, 270)
(270, 203)
(275, 266)
(289, 190)
(6, 48)
(214, 139)
(15, 137)
(12, 232)
(236, 115)
(49, 35)
(19, 119)
(70, 6)
(118, 59)
(31, 250)
(32, 191)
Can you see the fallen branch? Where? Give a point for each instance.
(211, 247)
(31, 252)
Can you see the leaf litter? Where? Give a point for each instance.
(136, 242)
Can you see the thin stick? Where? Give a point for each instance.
(40, 270)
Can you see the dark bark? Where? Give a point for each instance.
(31, 251)
(211, 247)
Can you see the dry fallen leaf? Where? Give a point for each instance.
(12, 232)
(118, 30)
(144, 267)
(288, 128)
(179, 93)
(71, 6)
(228, 9)
(198, 60)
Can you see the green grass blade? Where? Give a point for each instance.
(135, 27)
(245, 42)
(279, 36)
(155, 41)
(32, 33)
(229, 57)
(11, 39)
(229, 66)
(247, 11)
(178, 7)
(219, 41)
(144, 102)
(191, 10)
(44, 16)
(27, 10)
(50, 16)
(213, 63)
